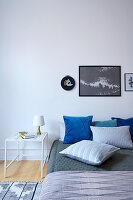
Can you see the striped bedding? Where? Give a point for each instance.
(85, 185)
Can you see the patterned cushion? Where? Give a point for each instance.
(90, 152)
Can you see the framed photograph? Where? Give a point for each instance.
(128, 81)
(99, 81)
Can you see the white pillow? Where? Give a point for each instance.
(90, 152)
(117, 136)
(62, 130)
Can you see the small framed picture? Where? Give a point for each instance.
(128, 81)
(68, 83)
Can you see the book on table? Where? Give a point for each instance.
(27, 136)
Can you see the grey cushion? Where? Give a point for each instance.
(117, 136)
(90, 152)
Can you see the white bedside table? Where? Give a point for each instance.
(39, 139)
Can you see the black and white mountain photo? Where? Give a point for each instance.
(100, 81)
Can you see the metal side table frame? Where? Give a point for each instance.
(41, 138)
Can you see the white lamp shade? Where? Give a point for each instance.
(38, 121)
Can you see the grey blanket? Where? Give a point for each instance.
(120, 161)
(81, 185)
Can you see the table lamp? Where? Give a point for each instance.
(38, 121)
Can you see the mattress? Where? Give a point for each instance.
(84, 185)
(120, 161)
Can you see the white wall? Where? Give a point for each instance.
(43, 40)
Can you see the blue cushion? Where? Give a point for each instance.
(125, 122)
(77, 129)
(109, 123)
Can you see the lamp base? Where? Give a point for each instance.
(38, 131)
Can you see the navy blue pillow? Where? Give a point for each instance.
(125, 122)
(77, 129)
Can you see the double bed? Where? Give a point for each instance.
(71, 179)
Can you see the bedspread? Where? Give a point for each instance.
(85, 185)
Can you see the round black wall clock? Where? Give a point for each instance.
(67, 83)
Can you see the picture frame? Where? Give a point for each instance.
(128, 79)
(67, 83)
(99, 81)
